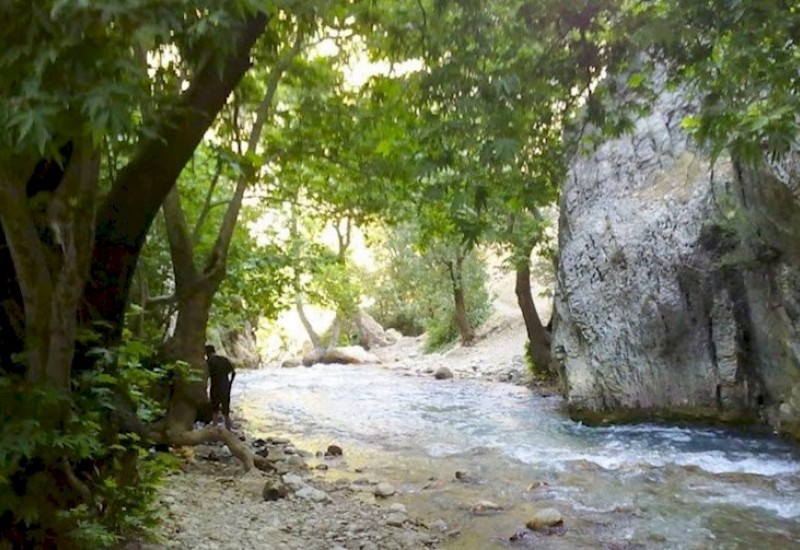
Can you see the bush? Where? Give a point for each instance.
(70, 475)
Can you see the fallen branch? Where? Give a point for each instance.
(219, 434)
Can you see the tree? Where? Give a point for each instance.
(76, 81)
(339, 153)
(501, 81)
(195, 288)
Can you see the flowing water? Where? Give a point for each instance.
(641, 486)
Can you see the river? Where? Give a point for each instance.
(642, 486)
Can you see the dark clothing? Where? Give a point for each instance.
(220, 374)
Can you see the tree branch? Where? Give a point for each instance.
(216, 433)
(72, 216)
(137, 194)
(201, 219)
(180, 245)
(33, 274)
(217, 259)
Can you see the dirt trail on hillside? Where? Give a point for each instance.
(498, 350)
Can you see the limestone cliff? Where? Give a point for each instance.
(678, 286)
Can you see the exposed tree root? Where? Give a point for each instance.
(219, 434)
(76, 484)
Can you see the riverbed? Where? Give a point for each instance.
(450, 445)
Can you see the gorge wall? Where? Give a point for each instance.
(678, 287)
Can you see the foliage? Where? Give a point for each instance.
(106, 43)
(740, 58)
(413, 293)
(39, 453)
(441, 328)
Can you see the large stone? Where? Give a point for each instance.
(678, 283)
(544, 518)
(312, 494)
(371, 333)
(275, 490)
(384, 490)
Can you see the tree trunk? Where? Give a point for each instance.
(186, 344)
(538, 337)
(316, 341)
(49, 237)
(461, 315)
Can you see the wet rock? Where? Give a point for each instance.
(439, 525)
(384, 490)
(464, 477)
(544, 518)
(275, 490)
(278, 441)
(443, 373)
(334, 450)
(536, 485)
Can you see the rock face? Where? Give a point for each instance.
(678, 284)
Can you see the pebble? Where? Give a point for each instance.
(312, 494)
(384, 490)
(215, 505)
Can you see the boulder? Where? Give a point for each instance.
(678, 287)
(544, 518)
(371, 334)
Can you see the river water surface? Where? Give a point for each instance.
(641, 486)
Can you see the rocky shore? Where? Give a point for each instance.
(212, 504)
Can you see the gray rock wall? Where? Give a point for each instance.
(678, 285)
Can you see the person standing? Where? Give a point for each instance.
(220, 376)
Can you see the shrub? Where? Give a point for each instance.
(71, 476)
